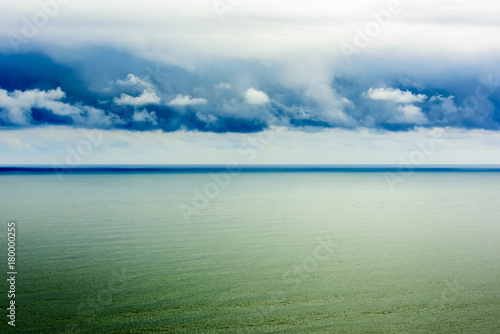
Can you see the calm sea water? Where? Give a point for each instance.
(268, 253)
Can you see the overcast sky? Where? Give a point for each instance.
(199, 81)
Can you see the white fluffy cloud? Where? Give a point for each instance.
(16, 108)
(147, 97)
(181, 100)
(17, 105)
(410, 114)
(257, 97)
(132, 80)
(394, 95)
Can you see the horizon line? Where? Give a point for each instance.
(33, 168)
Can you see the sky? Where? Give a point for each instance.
(257, 82)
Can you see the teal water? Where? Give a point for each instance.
(270, 253)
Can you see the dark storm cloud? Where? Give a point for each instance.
(106, 88)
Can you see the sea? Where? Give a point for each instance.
(253, 251)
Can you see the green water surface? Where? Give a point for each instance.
(270, 253)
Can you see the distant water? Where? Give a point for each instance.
(324, 252)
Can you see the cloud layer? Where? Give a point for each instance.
(172, 98)
(174, 66)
